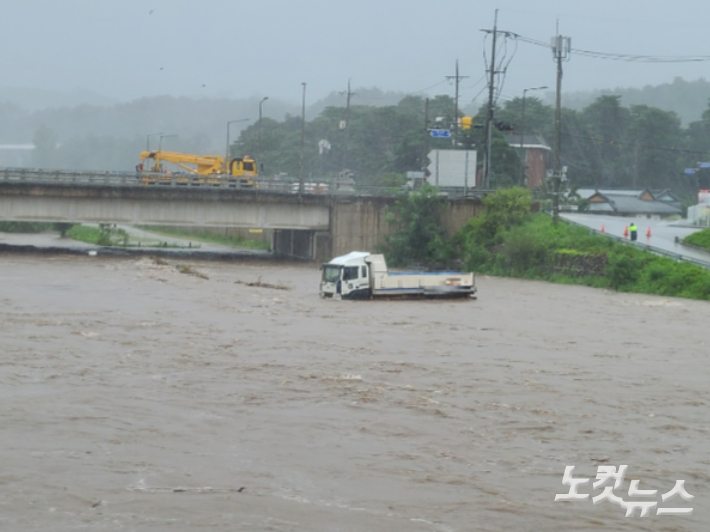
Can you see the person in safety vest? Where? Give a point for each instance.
(633, 230)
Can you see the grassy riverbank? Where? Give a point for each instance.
(700, 239)
(109, 235)
(212, 238)
(509, 239)
(536, 249)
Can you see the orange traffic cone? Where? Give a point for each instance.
(626, 232)
(648, 233)
(603, 228)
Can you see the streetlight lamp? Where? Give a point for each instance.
(226, 159)
(147, 140)
(160, 142)
(260, 104)
(522, 135)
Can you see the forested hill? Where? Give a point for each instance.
(688, 99)
(195, 125)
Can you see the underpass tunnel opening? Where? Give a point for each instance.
(295, 244)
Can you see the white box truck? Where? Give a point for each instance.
(363, 275)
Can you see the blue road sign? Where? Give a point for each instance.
(440, 133)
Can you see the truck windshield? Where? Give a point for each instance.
(331, 274)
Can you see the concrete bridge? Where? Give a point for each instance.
(308, 226)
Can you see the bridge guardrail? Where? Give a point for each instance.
(270, 185)
(29, 175)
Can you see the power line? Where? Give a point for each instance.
(621, 57)
(642, 58)
(644, 146)
(501, 69)
(482, 78)
(431, 87)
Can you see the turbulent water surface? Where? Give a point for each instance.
(142, 394)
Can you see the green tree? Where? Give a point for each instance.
(505, 163)
(477, 241)
(578, 152)
(501, 211)
(606, 123)
(697, 141)
(419, 235)
(657, 137)
(539, 118)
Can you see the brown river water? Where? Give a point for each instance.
(142, 394)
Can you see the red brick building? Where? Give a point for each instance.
(536, 154)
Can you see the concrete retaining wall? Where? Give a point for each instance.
(360, 225)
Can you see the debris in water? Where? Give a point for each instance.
(189, 270)
(259, 284)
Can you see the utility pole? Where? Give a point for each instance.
(425, 159)
(560, 50)
(489, 116)
(456, 78)
(349, 94)
(303, 137)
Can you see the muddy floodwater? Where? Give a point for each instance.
(141, 394)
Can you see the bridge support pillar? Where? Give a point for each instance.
(301, 244)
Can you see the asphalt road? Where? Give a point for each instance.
(663, 233)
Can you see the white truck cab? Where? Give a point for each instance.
(363, 275)
(347, 276)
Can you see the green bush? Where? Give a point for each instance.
(104, 235)
(476, 257)
(686, 280)
(25, 227)
(527, 250)
(501, 211)
(419, 236)
(624, 268)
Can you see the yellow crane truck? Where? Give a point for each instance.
(199, 169)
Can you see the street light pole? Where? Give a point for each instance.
(147, 140)
(260, 104)
(303, 136)
(522, 135)
(226, 154)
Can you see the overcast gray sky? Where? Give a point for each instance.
(127, 49)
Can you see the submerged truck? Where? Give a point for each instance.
(363, 275)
